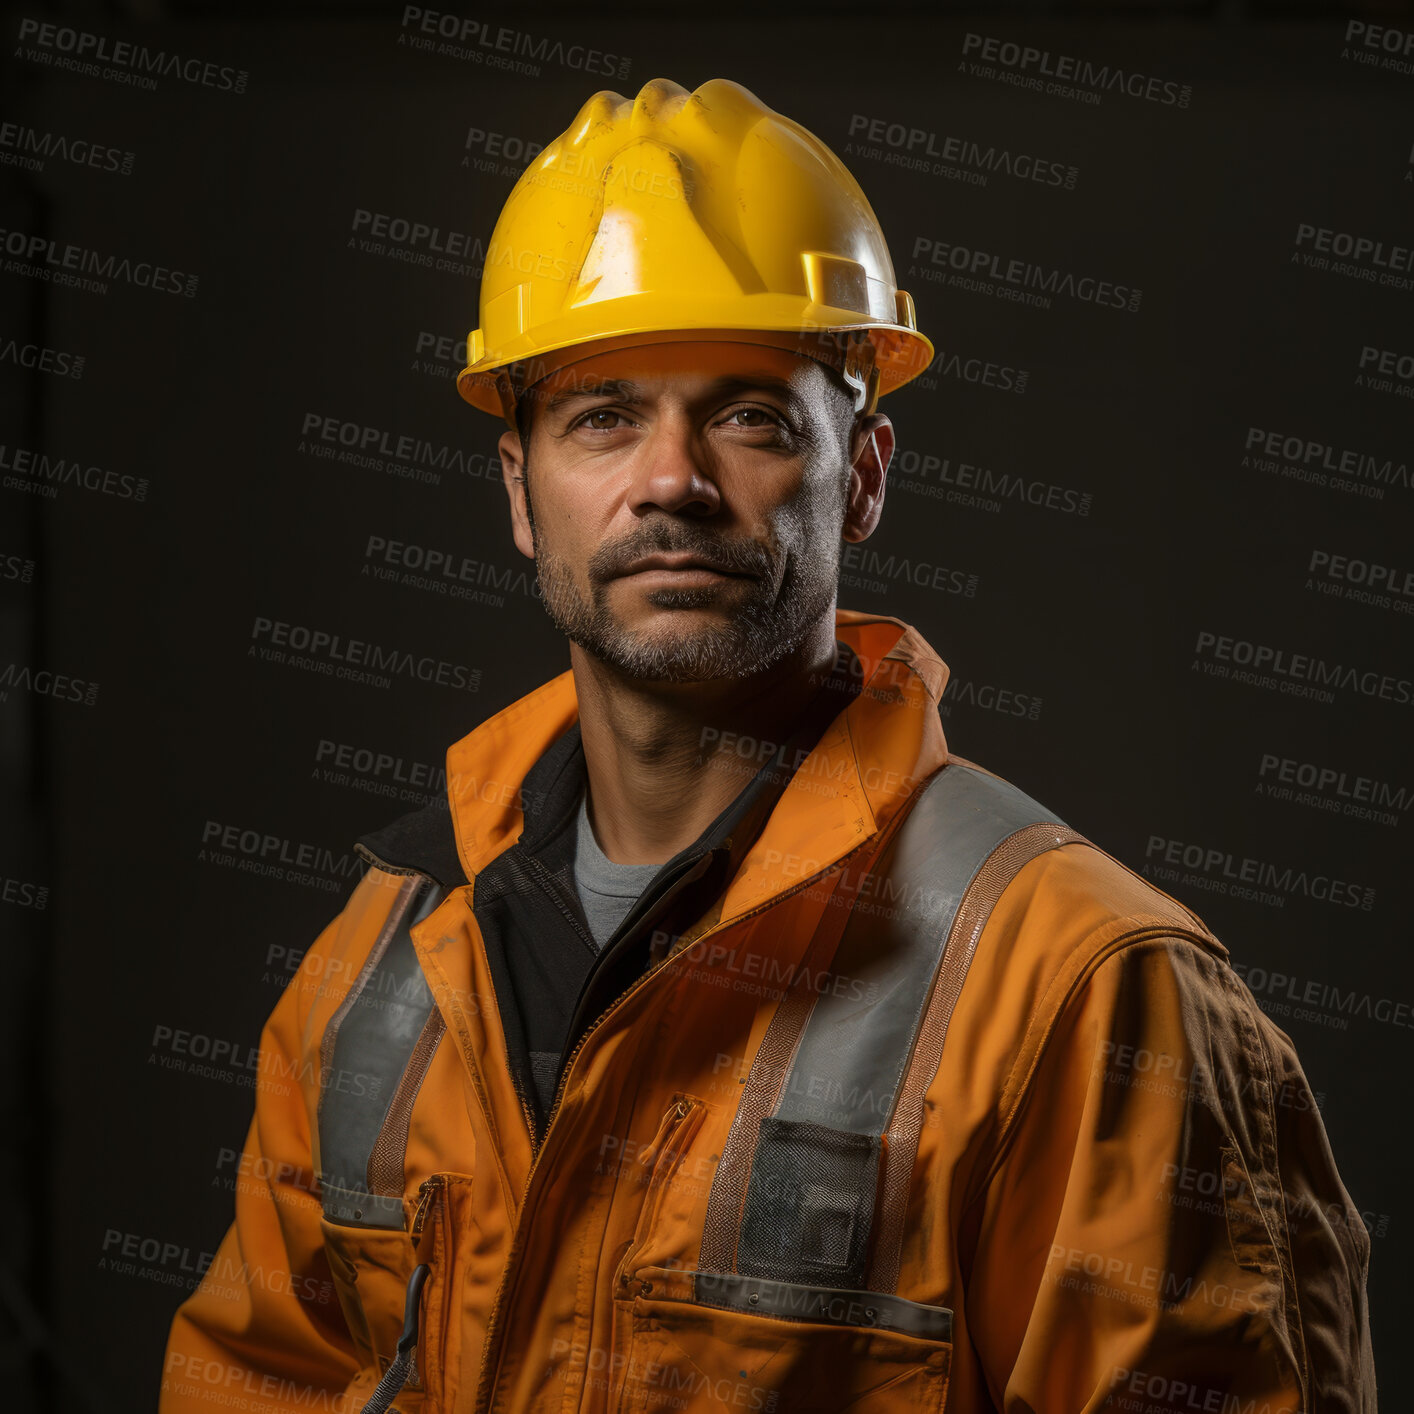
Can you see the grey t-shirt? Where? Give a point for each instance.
(606, 890)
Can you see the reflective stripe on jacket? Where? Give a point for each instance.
(1061, 1163)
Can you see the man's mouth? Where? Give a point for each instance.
(680, 568)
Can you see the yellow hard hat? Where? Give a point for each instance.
(676, 215)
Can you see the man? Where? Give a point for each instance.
(728, 1044)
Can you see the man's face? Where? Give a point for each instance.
(685, 502)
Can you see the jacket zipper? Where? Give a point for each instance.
(427, 1190)
(625, 929)
(674, 1132)
(533, 871)
(423, 1272)
(490, 1360)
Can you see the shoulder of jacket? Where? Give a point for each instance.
(1117, 896)
(1084, 894)
(1063, 914)
(1107, 921)
(407, 858)
(1041, 916)
(423, 841)
(1150, 1006)
(401, 855)
(1070, 912)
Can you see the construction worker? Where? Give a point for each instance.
(722, 1042)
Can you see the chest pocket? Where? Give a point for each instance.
(374, 1054)
(794, 1302)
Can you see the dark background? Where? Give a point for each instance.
(1075, 661)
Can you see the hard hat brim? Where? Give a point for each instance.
(901, 353)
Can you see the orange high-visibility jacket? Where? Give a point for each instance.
(1095, 1177)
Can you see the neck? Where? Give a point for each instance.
(665, 759)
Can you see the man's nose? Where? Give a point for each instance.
(672, 473)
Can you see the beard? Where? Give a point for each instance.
(768, 622)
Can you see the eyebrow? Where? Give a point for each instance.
(625, 390)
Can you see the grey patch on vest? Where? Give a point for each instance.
(861, 1031)
(794, 1301)
(811, 1193)
(374, 1044)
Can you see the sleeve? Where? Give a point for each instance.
(1166, 1230)
(265, 1330)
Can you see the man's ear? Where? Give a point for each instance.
(513, 478)
(872, 449)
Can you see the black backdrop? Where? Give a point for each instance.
(1157, 521)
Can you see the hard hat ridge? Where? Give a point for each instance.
(677, 215)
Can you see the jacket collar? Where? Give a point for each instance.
(552, 787)
(520, 770)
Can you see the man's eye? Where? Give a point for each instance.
(769, 418)
(587, 420)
